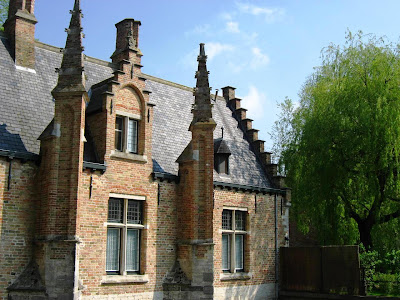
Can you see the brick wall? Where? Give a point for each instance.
(260, 240)
(17, 207)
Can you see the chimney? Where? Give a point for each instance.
(228, 92)
(20, 29)
(127, 40)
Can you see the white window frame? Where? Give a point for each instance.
(126, 117)
(124, 227)
(232, 233)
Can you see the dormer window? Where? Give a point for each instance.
(222, 163)
(126, 134)
(221, 156)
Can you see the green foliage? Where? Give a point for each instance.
(386, 284)
(390, 262)
(283, 129)
(382, 271)
(3, 12)
(369, 261)
(342, 144)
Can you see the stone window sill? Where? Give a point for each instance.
(129, 156)
(235, 276)
(113, 279)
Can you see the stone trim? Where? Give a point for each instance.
(115, 279)
(235, 276)
(126, 196)
(127, 114)
(129, 156)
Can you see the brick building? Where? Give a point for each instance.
(106, 194)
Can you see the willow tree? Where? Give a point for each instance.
(3, 12)
(343, 156)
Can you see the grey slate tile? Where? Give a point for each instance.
(27, 107)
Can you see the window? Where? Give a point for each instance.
(126, 134)
(222, 163)
(221, 156)
(233, 240)
(124, 226)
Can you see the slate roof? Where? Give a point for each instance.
(27, 108)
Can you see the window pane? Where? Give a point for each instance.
(132, 136)
(113, 244)
(240, 220)
(115, 210)
(239, 251)
(134, 212)
(132, 250)
(222, 164)
(226, 252)
(119, 124)
(227, 219)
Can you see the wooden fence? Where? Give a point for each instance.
(324, 270)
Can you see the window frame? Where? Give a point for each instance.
(124, 227)
(126, 118)
(232, 233)
(221, 163)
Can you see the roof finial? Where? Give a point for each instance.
(71, 77)
(202, 104)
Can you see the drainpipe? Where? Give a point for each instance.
(276, 250)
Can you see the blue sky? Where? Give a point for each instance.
(266, 49)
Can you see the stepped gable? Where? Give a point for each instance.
(170, 134)
(251, 135)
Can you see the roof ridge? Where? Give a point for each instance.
(109, 64)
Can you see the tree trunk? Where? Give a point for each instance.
(365, 228)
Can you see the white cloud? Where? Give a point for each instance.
(199, 29)
(214, 49)
(269, 14)
(258, 59)
(226, 16)
(232, 27)
(190, 59)
(254, 102)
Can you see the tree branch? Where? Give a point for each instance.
(394, 199)
(389, 217)
(350, 209)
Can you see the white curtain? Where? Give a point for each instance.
(113, 244)
(239, 251)
(226, 253)
(132, 250)
(132, 136)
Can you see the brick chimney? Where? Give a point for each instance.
(20, 29)
(127, 43)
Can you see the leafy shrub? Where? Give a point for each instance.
(386, 284)
(390, 262)
(369, 260)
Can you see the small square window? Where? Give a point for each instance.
(240, 220)
(115, 210)
(227, 219)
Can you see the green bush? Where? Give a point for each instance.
(390, 262)
(386, 284)
(369, 260)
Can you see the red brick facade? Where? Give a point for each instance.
(54, 213)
